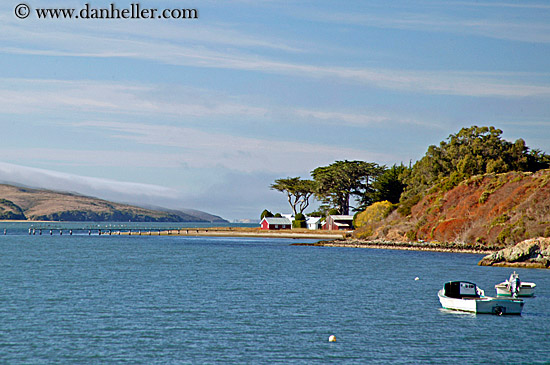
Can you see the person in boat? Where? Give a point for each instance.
(514, 285)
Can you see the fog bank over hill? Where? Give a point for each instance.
(18, 203)
(91, 186)
(142, 195)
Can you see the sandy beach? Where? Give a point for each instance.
(245, 232)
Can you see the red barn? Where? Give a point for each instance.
(275, 223)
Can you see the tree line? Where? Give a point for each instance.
(471, 151)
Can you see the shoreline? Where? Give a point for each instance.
(406, 246)
(327, 238)
(324, 239)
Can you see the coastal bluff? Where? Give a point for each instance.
(493, 210)
(531, 253)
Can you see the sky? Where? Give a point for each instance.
(206, 113)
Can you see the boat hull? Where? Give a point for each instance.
(482, 305)
(525, 290)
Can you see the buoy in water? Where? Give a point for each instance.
(332, 338)
(417, 278)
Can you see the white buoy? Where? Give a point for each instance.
(417, 278)
(332, 338)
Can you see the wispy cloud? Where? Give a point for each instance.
(24, 96)
(32, 96)
(201, 149)
(347, 118)
(162, 47)
(518, 5)
(190, 148)
(94, 158)
(362, 119)
(141, 98)
(440, 18)
(62, 32)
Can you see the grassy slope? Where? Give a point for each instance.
(493, 210)
(9, 210)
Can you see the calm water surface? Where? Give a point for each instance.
(102, 299)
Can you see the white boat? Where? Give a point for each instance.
(467, 297)
(513, 287)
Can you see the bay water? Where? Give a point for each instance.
(169, 299)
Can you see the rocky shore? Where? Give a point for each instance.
(531, 253)
(412, 246)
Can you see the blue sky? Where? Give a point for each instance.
(206, 113)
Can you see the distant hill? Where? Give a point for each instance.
(21, 203)
(8, 210)
(493, 210)
(184, 213)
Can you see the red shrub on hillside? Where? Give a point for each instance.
(494, 209)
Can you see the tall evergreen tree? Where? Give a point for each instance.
(298, 192)
(340, 181)
(389, 185)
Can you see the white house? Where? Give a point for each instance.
(288, 216)
(313, 222)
